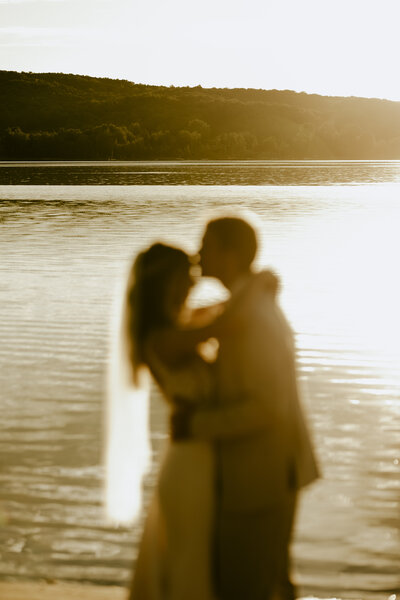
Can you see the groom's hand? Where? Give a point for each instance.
(180, 422)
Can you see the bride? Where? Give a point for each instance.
(174, 560)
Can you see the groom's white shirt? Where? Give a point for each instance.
(257, 423)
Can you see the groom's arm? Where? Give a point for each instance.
(255, 411)
(246, 418)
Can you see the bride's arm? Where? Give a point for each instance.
(175, 344)
(203, 316)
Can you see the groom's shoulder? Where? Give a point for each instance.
(262, 289)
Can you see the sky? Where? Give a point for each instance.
(341, 48)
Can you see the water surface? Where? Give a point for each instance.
(63, 250)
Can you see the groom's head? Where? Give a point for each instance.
(228, 249)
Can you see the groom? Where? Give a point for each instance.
(263, 450)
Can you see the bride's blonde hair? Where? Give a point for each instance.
(146, 294)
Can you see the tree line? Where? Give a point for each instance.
(54, 116)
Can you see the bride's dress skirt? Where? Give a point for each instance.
(175, 555)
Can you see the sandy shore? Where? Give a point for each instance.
(32, 590)
(58, 591)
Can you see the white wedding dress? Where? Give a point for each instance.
(175, 554)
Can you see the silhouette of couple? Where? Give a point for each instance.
(221, 518)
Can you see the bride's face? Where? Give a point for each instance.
(178, 288)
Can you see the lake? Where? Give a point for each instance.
(68, 232)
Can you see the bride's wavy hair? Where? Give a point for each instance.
(146, 295)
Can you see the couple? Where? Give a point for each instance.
(220, 522)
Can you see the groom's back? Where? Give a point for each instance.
(253, 369)
(256, 368)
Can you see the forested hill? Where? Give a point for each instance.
(56, 116)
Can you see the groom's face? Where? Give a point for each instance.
(210, 255)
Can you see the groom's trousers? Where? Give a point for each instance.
(252, 553)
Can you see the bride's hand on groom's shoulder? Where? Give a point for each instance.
(268, 280)
(262, 282)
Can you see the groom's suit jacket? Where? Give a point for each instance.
(263, 446)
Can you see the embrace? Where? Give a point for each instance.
(220, 522)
